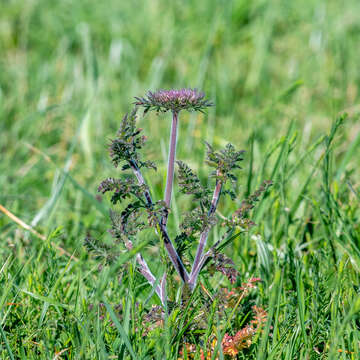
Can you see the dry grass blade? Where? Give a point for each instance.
(34, 232)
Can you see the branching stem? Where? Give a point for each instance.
(211, 252)
(169, 246)
(203, 237)
(145, 271)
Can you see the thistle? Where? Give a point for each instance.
(175, 101)
(142, 211)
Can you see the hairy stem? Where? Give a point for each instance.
(203, 237)
(161, 228)
(171, 163)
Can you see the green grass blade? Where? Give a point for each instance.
(121, 330)
(11, 355)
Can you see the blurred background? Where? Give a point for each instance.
(69, 71)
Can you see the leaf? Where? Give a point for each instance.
(120, 329)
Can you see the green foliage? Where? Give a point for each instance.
(67, 76)
(190, 184)
(225, 161)
(127, 143)
(121, 188)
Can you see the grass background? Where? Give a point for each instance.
(280, 73)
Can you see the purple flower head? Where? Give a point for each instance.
(174, 100)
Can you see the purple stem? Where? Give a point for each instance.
(163, 296)
(169, 246)
(203, 237)
(171, 163)
(209, 253)
(146, 272)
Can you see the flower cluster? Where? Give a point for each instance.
(174, 100)
(231, 345)
(244, 337)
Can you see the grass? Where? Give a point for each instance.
(282, 74)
